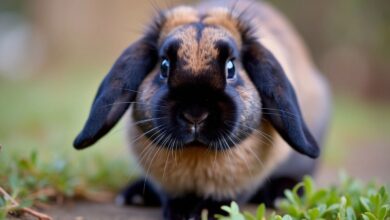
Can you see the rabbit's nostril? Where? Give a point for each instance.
(195, 118)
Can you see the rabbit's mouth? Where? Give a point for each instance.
(196, 143)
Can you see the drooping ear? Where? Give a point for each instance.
(118, 90)
(279, 102)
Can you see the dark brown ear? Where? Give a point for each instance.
(279, 102)
(118, 90)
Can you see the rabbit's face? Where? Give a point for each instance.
(199, 94)
(199, 79)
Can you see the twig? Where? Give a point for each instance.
(29, 211)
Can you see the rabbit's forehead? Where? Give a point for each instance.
(184, 15)
(198, 48)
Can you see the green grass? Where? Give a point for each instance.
(355, 122)
(41, 116)
(350, 200)
(39, 119)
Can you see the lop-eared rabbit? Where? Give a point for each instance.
(226, 105)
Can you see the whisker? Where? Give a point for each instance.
(154, 142)
(270, 109)
(169, 153)
(225, 146)
(125, 89)
(157, 9)
(254, 154)
(145, 149)
(280, 110)
(134, 102)
(145, 120)
(152, 139)
(266, 136)
(144, 133)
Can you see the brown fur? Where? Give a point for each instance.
(242, 168)
(198, 55)
(216, 174)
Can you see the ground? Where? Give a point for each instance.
(327, 175)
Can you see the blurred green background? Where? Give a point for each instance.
(53, 55)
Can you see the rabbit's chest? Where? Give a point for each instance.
(217, 174)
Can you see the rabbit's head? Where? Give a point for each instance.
(198, 79)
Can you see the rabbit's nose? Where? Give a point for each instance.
(195, 118)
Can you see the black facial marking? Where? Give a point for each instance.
(215, 113)
(200, 106)
(199, 26)
(169, 49)
(224, 48)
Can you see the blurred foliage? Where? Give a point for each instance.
(351, 200)
(365, 24)
(350, 40)
(12, 5)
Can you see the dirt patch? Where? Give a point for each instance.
(97, 211)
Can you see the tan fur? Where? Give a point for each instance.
(199, 54)
(220, 175)
(235, 171)
(223, 18)
(177, 17)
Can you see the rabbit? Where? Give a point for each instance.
(226, 105)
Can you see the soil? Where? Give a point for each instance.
(96, 211)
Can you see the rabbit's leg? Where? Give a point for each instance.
(141, 193)
(190, 207)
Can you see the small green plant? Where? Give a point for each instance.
(352, 200)
(33, 181)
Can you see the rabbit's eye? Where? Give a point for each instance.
(164, 68)
(230, 69)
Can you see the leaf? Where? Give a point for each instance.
(292, 197)
(33, 157)
(226, 208)
(260, 212)
(383, 212)
(365, 203)
(249, 216)
(204, 214)
(235, 207)
(384, 194)
(287, 217)
(351, 214)
(312, 213)
(234, 212)
(317, 197)
(308, 186)
(370, 216)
